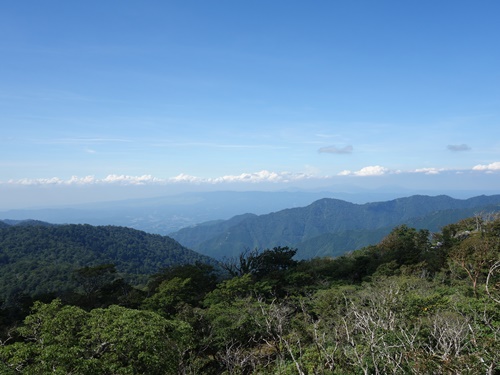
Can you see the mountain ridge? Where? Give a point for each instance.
(52, 253)
(168, 214)
(297, 226)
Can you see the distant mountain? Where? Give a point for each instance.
(37, 259)
(167, 214)
(330, 227)
(24, 223)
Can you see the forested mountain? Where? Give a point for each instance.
(37, 258)
(329, 226)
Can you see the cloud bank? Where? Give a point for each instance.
(263, 176)
(377, 170)
(256, 177)
(488, 167)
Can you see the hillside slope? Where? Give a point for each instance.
(330, 227)
(52, 253)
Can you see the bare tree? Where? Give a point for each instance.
(277, 320)
(474, 255)
(493, 282)
(241, 265)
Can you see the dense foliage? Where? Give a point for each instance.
(415, 303)
(37, 258)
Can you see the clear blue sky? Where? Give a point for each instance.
(277, 93)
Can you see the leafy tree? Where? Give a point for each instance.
(202, 279)
(170, 297)
(50, 341)
(405, 245)
(273, 261)
(115, 340)
(94, 278)
(133, 341)
(229, 290)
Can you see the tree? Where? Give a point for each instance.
(116, 340)
(133, 341)
(475, 255)
(203, 276)
(169, 296)
(261, 264)
(405, 245)
(243, 264)
(274, 260)
(92, 281)
(493, 282)
(50, 341)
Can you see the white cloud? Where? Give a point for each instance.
(131, 180)
(81, 180)
(488, 167)
(374, 170)
(256, 177)
(88, 180)
(378, 170)
(186, 178)
(345, 173)
(37, 181)
(429, 170)
(262, 176)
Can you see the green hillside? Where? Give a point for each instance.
(334, 225)
(37, 259)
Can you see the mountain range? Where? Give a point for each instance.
(166, 214)
(37, 257)
(329, 227)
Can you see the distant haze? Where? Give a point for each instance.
(359, 189)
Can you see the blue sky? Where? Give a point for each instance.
(247, 94)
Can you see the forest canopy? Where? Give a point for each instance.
(37, 258)
(415, 303)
